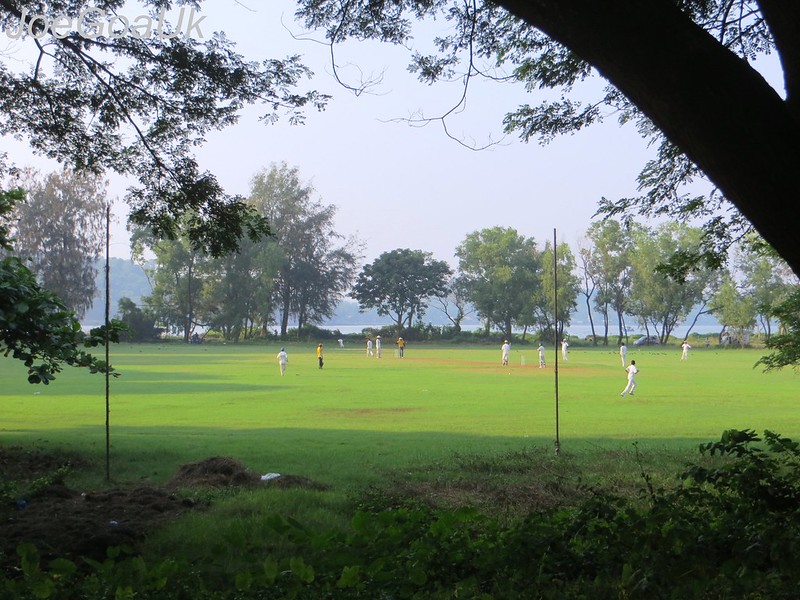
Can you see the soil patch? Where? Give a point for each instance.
(38, 508)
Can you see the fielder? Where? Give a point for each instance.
(283, 358)
(631, 370)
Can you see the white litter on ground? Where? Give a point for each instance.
(269, 476)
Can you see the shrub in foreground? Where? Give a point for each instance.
(727, 531)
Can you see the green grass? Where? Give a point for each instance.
(358, 417)
(446, 424)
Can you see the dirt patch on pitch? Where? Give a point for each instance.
(368, 411)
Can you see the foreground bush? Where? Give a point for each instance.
(731, 531)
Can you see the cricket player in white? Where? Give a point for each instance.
(564, 346)
(283, 358)
(632, 371)
(623, 354)
(541, 357)
(505, 348)
(685, 350)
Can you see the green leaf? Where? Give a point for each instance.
(271, 570)
(124, 593)
(42, 588)
(63, 567)
(29, 556)
(350, 578)
(301, 570)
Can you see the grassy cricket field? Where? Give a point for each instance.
(359, 417)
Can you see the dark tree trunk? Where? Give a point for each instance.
(621, 327)
(187, 326)
(285, 316)
(713, 105)
(591, 320)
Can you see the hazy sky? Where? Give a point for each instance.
(399, 186)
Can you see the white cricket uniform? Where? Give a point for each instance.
(632, 371)
(283, 358)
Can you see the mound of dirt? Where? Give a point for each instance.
(289, 481)
(217, 471)
(221, 471)
(64, 523)
(67, 524)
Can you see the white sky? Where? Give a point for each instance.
(398, 186)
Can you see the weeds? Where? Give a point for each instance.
(727, 530)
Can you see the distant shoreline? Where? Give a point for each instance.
(580, 331)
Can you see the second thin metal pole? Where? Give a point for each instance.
(555, 334)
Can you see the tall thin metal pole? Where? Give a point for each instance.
(555, 334)
(105, 338)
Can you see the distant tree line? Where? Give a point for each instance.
(299, 272)
(304, 268)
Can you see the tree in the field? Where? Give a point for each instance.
(767, 280)
(140, 324)
(612, 249)
(587, 270)
(232, 287)
(455, 305)
(564, 282)
(176, 280)
(400, 283)
(35, 325)
(734, 309)
(317, 264)
(237, 293)
(682, 71)
(60, 230)
(785, 344)
(324, 275)
(657, 301)
(501, 270)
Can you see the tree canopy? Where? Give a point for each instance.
(99, 91)
(60, 229)
(680, 69)
(35, 325)
(501, 272)
(399, 284)
(136, 100)
(315, 265)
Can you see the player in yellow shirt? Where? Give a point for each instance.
(401, 345)
(319, 355)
